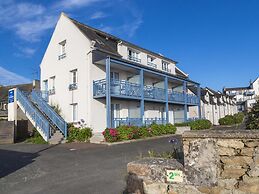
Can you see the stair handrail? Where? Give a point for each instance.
(36, 116)
(48, 110)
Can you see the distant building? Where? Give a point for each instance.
(245, 96)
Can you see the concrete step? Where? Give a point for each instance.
(57, 138)
(97, 138)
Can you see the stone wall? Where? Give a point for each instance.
(216, 162)
(6, 132)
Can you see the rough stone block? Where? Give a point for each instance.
(252, 144)
(237, 144)
(254, 171)
(224, 151)
(236, 160)
(227, 183)
(248, 180)
(230, 173)
(247, 152)
(249, 188)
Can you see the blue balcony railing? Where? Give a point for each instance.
(151, 92)
(175, 96)
(137, 121)
(126, 121)
(149, 121)
(122, 88)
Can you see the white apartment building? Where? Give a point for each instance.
(106, 81)
(245, 96)
(214, 105)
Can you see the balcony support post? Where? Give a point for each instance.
(185, 100)
(166, 99)
(108, 92)
(142, 102)
(199, 100)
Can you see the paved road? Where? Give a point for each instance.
(70, 168)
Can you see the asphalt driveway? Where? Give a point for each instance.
(70, 168)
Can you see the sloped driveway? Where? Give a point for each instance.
(70, 168)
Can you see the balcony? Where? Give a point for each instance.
(52, 91)
(62, 56)
(134, 59)
(152, 64)
(72, 86)
(125, 89)
(136, 121)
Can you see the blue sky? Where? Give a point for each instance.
(216, 42)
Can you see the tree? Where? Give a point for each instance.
(253, 117)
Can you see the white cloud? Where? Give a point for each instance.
(98, 15)
(11, 78)
(70, 4)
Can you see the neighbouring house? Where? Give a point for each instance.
(106, 81)
(245, 96)
(214, 105)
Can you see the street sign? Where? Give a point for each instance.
(11, 96)
(174, 176)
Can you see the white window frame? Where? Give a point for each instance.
(74, 112)
(134, 56)
(165, 65)
(62, 51)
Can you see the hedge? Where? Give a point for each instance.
(232, 119)
(253, 117)
(123, 133)
(196, 125)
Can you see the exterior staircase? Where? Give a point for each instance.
(48, 123)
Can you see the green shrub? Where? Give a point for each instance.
(200, 124)
(227, 120)
(239, 117)
(79, 134)
(123, 133)
(182, 124)
(253, 117)
(36, 138)
(232, 119)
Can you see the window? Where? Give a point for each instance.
(114, 76)
(52, 85)
(74, 80)
(150, 61)
(62, 53)
(45, 85)
(74, 112)
(133, 56)
(165, 66)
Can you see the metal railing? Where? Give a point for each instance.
(128, 89)
(135, 59)
(151, 92)
(48, 110)
(126, 121)
(36, 116)
(62, 56)
(152, 64)
(150, 121)
(175, 96)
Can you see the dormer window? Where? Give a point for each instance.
(165, 66)
(62, 53)
(150, 61)
(134, 56)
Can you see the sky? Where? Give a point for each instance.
(216, 42)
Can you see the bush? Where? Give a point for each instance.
(200, 124)
(239, 117)
(79, 134)
(123, 133)
(232, 119)
(182, 124)
(36, 138)
(227, 120)
(253, 117)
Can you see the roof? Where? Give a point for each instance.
(107, 42)
(236, 88)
